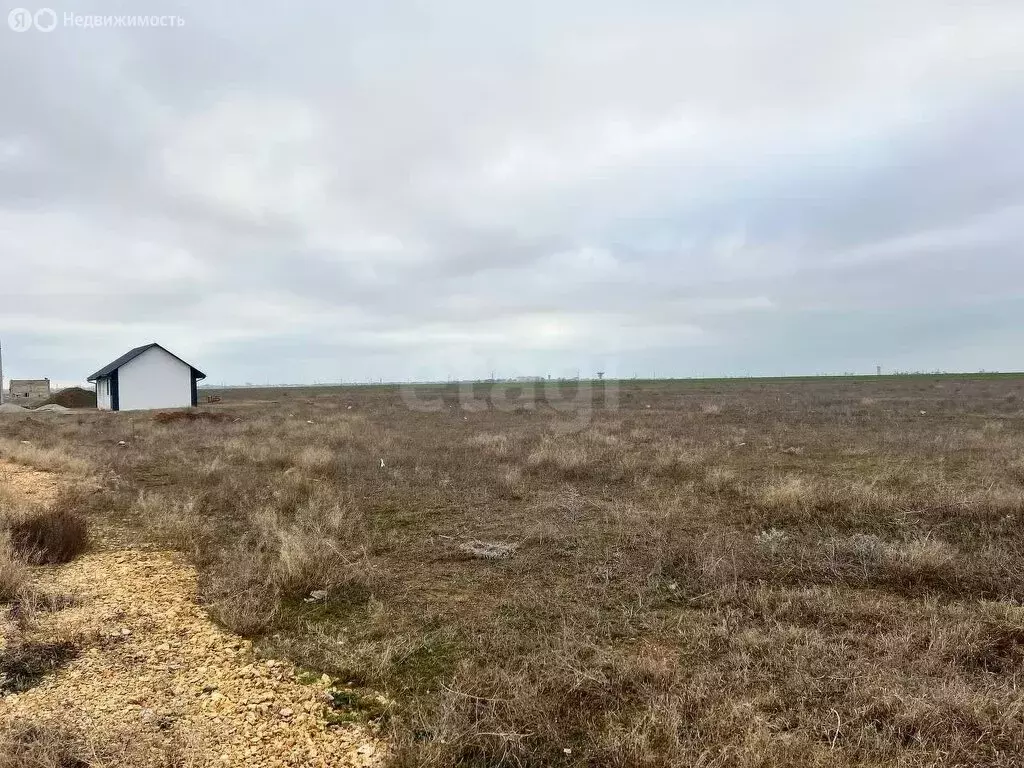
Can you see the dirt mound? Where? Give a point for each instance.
(12, 408)
(73, 397)
(171, 417)
(53, 408)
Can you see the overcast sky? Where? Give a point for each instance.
(298, 192)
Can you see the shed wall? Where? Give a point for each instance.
(154, 379)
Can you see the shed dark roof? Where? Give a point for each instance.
(131, 354)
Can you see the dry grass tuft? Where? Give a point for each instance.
(315, 459)
(14, 572)
(30, 745)
(241, 591)
(488, 550)
(923, 557)
(30, 602)
(175, 521)
(562, 455)
(495, 444)
(791, 493)
(512, 484)
(47, 535)
(720, 479)
(24, 661)
(322, 547)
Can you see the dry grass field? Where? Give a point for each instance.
(750, 573)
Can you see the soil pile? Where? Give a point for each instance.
(73, 397)
(170, 417)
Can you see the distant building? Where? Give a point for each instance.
(29, 389)
(146, 377)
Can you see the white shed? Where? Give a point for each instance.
(146, 377)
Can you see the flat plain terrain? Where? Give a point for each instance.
(775, 572)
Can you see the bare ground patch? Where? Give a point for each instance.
(33, 485)
(127, 669)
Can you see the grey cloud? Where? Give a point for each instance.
(402, 190)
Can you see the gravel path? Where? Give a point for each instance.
(156, 674)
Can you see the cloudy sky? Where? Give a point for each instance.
(414, 189)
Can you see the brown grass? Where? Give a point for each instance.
(46, 535)
(24, 661)
(32, 745)
(46, 458)
(63, 742)
(715, 574)
(35, 534)
(14, 572)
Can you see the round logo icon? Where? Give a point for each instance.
(45, 19)
(20, 20)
